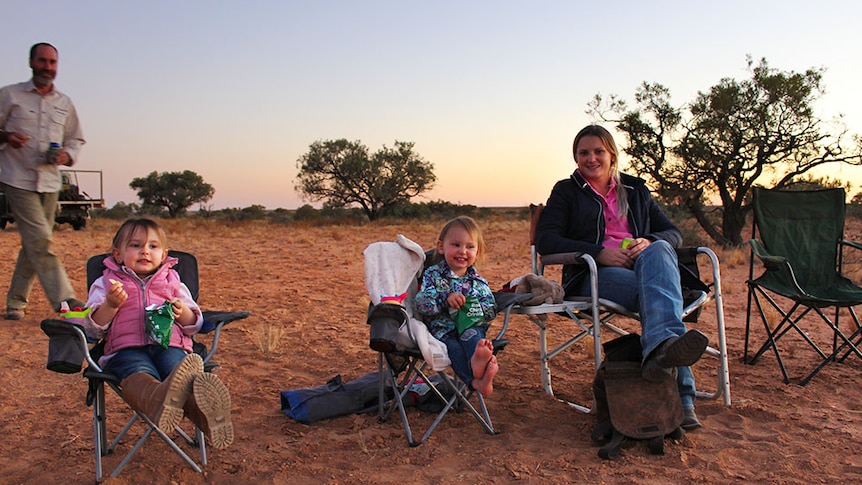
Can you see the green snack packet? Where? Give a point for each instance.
(160, 323)
(469, 315)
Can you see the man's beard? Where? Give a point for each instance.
(43, 78)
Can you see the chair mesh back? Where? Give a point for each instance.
(805, 227)
(187, 267)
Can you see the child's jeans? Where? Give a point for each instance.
(461, 350)
(155, 360)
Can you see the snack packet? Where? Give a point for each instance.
(160, 323)
(469, 315)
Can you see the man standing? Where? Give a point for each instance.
(33, 115)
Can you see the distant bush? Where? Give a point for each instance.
(329, 215)
(435, 209)
(307, 213)
(120, 211)
(280, 215)
(344, 215)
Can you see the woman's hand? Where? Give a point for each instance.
(623, 258)
(637, 246)
(455, 300)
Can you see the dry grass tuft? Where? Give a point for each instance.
(267, 337)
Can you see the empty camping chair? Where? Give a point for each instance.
(70, 347)
(410, 360)
(798, 237)
(592, 315)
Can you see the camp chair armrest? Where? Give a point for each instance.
(852, 244)
(54, 327)
(771, 262)
(215, 320)
(69, 334)
(562, 258)
(506, 300)
(213, 323)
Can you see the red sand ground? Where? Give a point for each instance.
(305, 289)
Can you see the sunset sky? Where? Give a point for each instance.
(490, 92)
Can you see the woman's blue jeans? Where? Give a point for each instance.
(155, 360)
(652, 289)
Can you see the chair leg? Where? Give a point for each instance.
(388, 372)
(100, 439)
(413, 372)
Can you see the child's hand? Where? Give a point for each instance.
(455, 300)
(116, 295)
(177, 306)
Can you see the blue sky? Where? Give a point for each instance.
(491, 93)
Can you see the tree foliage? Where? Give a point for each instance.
(171, 191)
(738, 134)
(342, 173)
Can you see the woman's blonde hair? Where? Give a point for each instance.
(611, 146)
(128, 229)
(468, 224)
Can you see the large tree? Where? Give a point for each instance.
(738, 134)
(173, 191)
(342, 173)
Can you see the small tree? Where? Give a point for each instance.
(172, 191)
(736, 135)
(341, 173)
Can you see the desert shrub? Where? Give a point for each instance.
(120, 211)
(153, 211)
(307, 213)
(344, 215)
(279, 215)
(251, 213)
(435, 209)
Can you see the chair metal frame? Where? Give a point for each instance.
(592, 314)
(97, 378)
(413, 368)
(803, 302)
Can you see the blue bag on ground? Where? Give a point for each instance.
(335, 398)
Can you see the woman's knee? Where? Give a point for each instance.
(658, 252)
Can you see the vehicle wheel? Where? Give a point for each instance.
(79, 224)
(2, 224)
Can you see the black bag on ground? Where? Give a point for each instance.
(334, 398)
(630, 407)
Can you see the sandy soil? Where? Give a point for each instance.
(305, 288)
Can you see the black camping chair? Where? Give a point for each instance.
(69, 347)
(798, 237)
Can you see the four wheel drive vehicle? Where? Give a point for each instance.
(74, 205)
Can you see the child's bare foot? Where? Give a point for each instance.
(481, 356)
(485, 384)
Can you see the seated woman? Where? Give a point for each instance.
(612, 217)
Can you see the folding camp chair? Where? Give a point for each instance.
(801, 248)
(592, 314)
(392, 272)
(69, 346)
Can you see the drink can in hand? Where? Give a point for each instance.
(53, 151)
